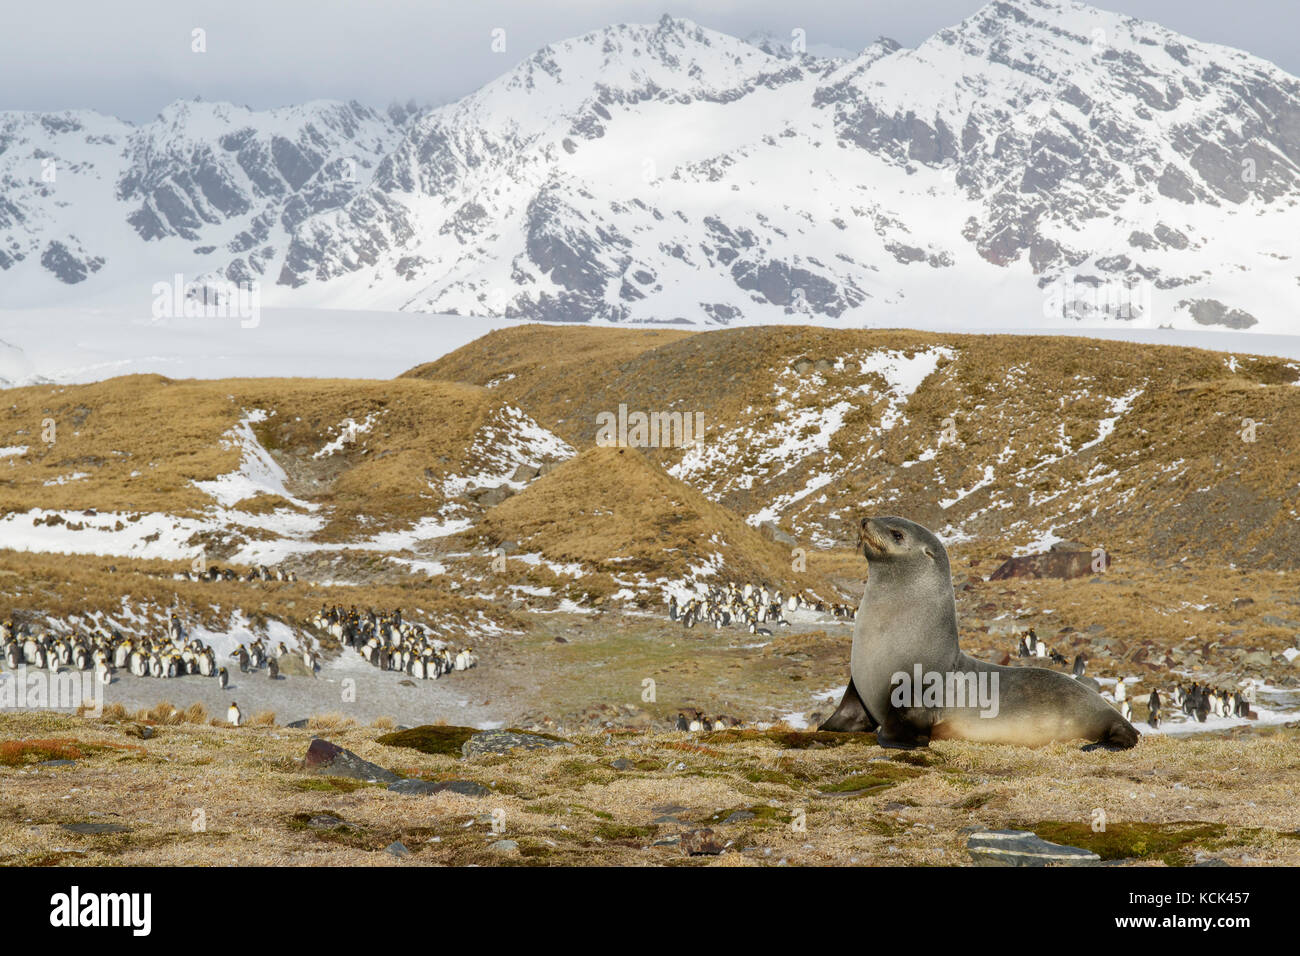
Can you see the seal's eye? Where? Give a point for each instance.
(898, 535)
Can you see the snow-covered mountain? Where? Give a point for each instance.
(1041, 162)
(93, 201)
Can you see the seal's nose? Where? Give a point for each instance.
(867, 529)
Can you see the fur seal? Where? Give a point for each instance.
(907, 625)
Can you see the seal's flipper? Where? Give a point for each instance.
(898, 734)
(1121, 736)
(851, 716)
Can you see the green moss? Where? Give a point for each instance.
(763, 814)
(884, 827)
(619, 831)
(530, 849)
(344, 832)
(1169, 842)
(763, 775)
(914, 758)
(790, 739)
(880, 775)
(430, 739)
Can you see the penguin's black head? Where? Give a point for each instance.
(893, 540)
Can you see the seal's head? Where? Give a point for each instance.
(898, 542)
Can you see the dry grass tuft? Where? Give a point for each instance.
(163, 712)
(330, 721)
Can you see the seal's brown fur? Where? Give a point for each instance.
(908, 618)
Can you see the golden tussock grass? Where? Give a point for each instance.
(330, 721)
(614, 510)
(142, 441)
(196, 713)
(1173, 479)
(164, 712)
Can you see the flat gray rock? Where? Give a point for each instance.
(1022, 848)
(466, 788)
(398, 849)
(331, 759)
(325, 821)
(504, 741)
(504, 846)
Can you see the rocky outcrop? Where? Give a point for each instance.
(1021, 848)
(504, 741)
(1065, 560)
(332, 760)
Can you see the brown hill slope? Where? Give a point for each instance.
(535, 355)
(1006, 439)
(140, 443)
(255, 470)
(613, 510)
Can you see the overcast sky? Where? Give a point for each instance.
(132, 58)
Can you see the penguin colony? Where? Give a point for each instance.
(1202, 701)
(750, 606)
(1198, 703)
(258, 572)
(107, 652)
(391, 644)
(385, 640)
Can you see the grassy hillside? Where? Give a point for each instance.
(1000, 442)
(613, 510)
(1132, 447)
